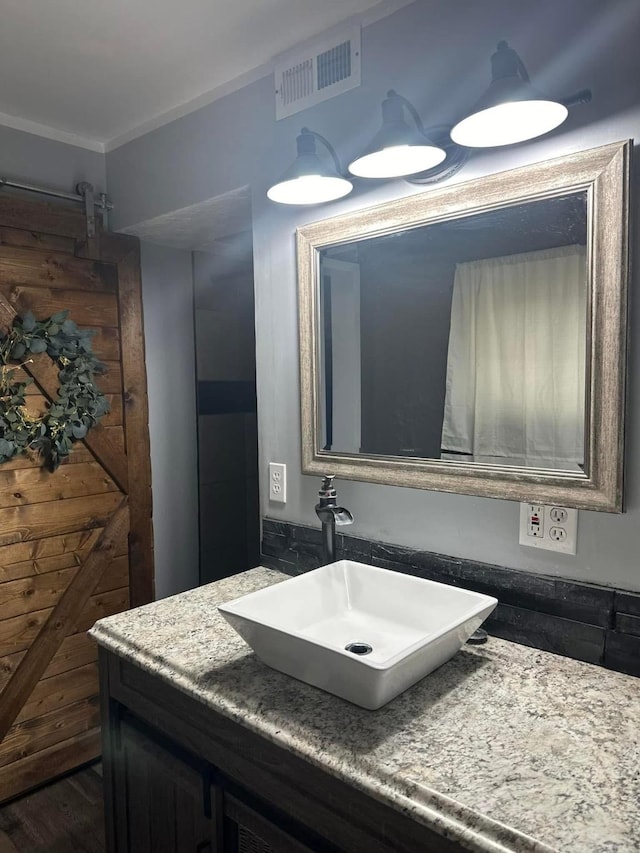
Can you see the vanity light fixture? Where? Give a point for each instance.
(397, 149)
(309, 180)
(511, 110)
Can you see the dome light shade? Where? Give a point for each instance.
(396, 161)
(310, 189)
(511, 110)
(397, 149)
(309, 180)
(508, 123)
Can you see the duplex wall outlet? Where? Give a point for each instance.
(535, 520)
(558, 514)
(552, 527)
(278, 482)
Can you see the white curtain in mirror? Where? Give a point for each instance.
(515, 389)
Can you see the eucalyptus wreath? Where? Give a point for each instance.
(79, 404)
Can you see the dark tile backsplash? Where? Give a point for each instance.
(591, 623)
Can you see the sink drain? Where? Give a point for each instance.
(359, 648)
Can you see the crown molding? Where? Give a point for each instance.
(54, 133)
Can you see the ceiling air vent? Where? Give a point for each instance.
(325, 69)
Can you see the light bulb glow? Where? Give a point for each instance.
(397, 161)
(508, 123)
(310, 189)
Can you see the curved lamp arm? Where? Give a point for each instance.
(312, 133)
(582, 97)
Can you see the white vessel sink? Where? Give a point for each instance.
(407, 627)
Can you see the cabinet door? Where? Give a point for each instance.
(166, 803)
(246, 830)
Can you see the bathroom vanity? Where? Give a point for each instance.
(504, 748)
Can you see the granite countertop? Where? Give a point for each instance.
(504, 748)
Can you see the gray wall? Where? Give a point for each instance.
(436, 53)
(167, 291)
(36, 160)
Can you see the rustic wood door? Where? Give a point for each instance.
(75, 545)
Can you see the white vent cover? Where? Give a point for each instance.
(325, 69)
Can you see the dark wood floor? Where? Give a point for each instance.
(64, 817)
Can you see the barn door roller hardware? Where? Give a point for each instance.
(84, 195)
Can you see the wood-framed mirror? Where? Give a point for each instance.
(472, 338)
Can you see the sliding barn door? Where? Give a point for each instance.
(75, 545)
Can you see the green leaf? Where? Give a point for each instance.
(102, 406)
(28, 322)
(18, 350)
(38, 345)
(60, 317)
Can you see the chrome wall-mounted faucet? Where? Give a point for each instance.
(330, 514)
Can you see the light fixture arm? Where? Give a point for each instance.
(393, 95)
(303, 146)
(582, 97)
(457, 156)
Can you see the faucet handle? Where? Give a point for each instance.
(327, 489)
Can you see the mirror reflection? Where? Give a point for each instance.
(462, 340)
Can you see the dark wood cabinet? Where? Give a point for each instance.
(249, 831)
(182, 778)
(166, 801)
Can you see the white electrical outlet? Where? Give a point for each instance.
(558, 514)
(552, 527)
(535, 520)
(558, 534)
(278, 482)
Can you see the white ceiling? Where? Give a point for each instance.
(95, 71)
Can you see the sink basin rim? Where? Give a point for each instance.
(234, 608)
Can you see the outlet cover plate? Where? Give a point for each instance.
(557, 529)
(278, 482)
